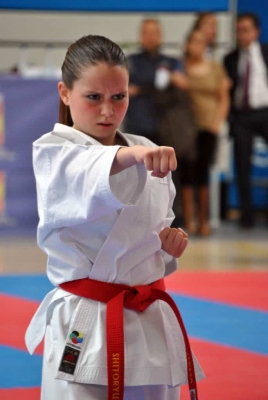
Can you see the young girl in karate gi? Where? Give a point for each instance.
(104, 202)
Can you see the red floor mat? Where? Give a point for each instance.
(231, 374)
(246, 289)
(20, 394)
(15, 316)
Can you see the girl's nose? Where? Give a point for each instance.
(107, 110)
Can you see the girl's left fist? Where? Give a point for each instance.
(174, 241)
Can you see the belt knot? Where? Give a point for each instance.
(138, 298)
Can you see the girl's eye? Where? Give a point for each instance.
(119, 96)
(93, 96)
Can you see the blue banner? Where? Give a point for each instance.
(28, 109)
(259, 179)
(112, 5)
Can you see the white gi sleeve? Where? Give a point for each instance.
(73, 183)
(171, 262)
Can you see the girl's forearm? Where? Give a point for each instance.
(126, 157)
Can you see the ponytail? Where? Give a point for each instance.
(65, 115)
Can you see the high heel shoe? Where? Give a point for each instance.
(191, 228)
(204, 229)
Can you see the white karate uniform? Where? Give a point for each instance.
(93, 225)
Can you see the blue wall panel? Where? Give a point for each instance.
(113, 5)
(260, 7)
(29, 109)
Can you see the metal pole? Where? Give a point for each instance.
(23, 58)
(233, 10)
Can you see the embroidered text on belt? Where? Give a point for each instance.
(136, 298)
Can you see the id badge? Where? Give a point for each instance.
(71, 352)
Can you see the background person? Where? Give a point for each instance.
(247, 67)
(207, 23)
(150, 72)
(208, 88)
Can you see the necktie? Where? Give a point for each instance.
(245, 101)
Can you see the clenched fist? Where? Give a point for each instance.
(160, 160)
(174, 241)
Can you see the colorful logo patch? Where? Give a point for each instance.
(76, 337)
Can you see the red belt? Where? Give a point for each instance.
(136, 298)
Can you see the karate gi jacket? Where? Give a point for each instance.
(105, 228)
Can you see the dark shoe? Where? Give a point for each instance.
(246, 223)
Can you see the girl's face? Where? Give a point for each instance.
(196, 45)
(98, 101)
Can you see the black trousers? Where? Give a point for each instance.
(197, 173)
(244, 126)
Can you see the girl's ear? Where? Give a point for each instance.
(64, 93)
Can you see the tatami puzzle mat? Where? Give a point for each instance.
(225, 313)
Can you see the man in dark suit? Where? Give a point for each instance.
(247, 67)
(150, 72)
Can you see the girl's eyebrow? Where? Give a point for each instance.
(96, 92)
(93, 91)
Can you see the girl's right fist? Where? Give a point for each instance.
(160, 160)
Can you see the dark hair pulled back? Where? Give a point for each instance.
(87, 51)
(252, 16)
(200, 18)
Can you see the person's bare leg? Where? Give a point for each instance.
(203, 199)
(188, 208)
